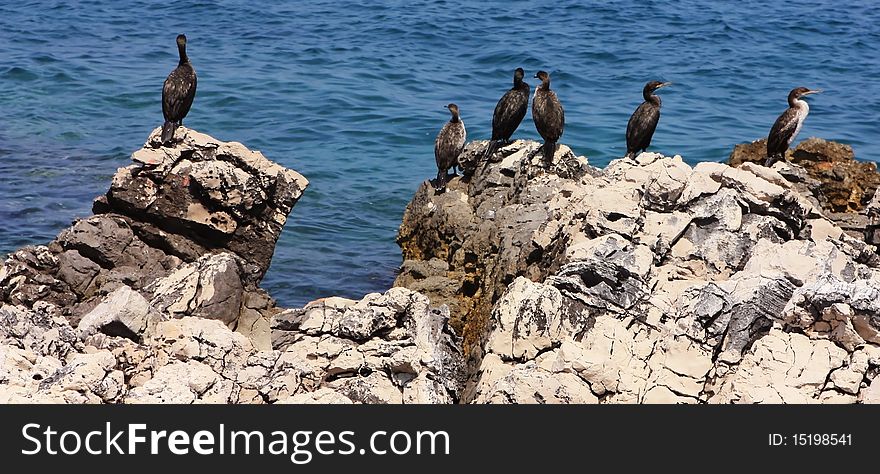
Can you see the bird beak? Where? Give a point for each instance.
(813, 92)
(664, 84)
(445, 106)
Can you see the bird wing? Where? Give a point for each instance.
(552, 122)
(782, 133)
(437, 142)
(448, 144)
(178, 93)
(509, 113)
(558, 115)
(641, 126)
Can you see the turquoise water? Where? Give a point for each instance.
(350, 94)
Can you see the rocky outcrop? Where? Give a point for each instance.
(155, 299)
(462, 248)
(649, 281)
(525, 282)
(829, 175)
(187, 226)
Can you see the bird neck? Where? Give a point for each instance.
(649, 96)
(801, 105)
(517, 83)
(545, 85)
(455, 118)
(181, 50)
(797, 102)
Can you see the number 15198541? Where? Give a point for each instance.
(810, 439)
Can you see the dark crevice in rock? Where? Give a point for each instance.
(118, 329)
(757, 329)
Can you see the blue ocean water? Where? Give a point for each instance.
(350, 94)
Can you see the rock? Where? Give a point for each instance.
(666, 182)
(412, 360)
(828, 174)
(41, 330)
(255, 319)
(385, 348)
(214, 193)
(192, 227)
(84, 378)
(161, 285)
(525, 384)
(527, 321)
(27, 278)
(182, 383)
(872, 216)
(480, 231)
(844, 306)
(412, 357)
(781, 368)
(210, 287)
(322, 396)
(124, 312)
(648, 282)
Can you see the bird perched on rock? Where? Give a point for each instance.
(548, 115)
(643, 122)
(509, 112)
(787, 126)
(448, 145)
(178, 92)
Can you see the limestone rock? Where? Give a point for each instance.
(124, 312)
(209, 288)
(828, 174)
(191, 227)
(483, 229)
(647, 282)
(322, 396)
(41, 330)
(386, 348)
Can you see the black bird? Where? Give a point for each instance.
(643, 122)
(548, 115)
(178, 92)
(787, 126)
(509, 112)
(448, 145)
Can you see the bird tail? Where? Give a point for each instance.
(167, 131)
(490, 150)
(630, 154)
(771, 159)
(440, 185)
(549, 150)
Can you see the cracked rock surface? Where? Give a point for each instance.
(831, 177)
(385, 348)
(650, 281)
(322, 353)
